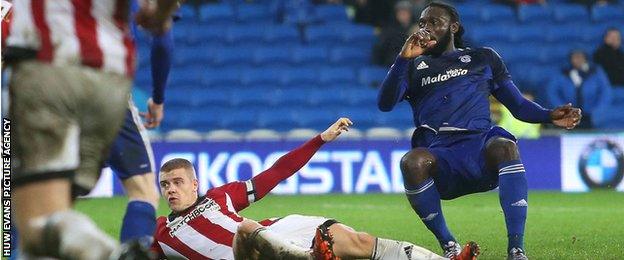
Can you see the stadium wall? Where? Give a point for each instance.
(574, 162)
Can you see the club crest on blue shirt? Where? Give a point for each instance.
(465, 58)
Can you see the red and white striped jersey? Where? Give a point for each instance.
(205, 230)
(92, 33)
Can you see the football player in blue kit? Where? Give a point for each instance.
(455, 149)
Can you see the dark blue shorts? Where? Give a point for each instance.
(460, 160)
(131, 152)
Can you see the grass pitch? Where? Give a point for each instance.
(559, 226)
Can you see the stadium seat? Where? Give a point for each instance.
(187, 13)
(294, 97)
(383, 133)
(262, 135)
(360, 96)
(223, 135)
(323, 35)
(321, 97)
(469, 12)
(336, 75)
(526, 33)
(183, 135)
(232, 55)
(372, 76)
(276, 118)
(570, 13)
(271, 56)
(349, 56)
(249, 13)
(193, 55)
(604, 13)
(281, 34)
(351, 33)
(331, 13)
(315, 119)
(203, 34)
(535, 14)
(300, 134)
(239, 119)
(263, 75)
(243, 33)
(296, 76)
(353, 134)
(558, 33)
(214, 76)
(497, 13)
(189, 76)
(214, 14)
(490, 33)
(309, 55)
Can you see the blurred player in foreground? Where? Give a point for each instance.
(209, 226)
(456, 151)
(72, 66)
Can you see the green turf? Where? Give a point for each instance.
(560, 226)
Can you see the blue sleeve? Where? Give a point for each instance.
(394, 85)
(161, 53)
(526, 110)
(499, 70)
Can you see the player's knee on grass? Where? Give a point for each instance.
(141, 187)
(499, 150)
(348, 243)
(417, 165)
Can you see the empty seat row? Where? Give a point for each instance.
(541, 14)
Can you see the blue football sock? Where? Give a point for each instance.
(139, 221)
(425, 201)
(513, 196)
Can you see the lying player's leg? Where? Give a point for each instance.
(254, 241)
(347, 243)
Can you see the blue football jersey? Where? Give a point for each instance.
(450, 92)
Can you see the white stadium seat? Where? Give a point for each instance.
(223, 135)
(301, 134)
(262, 135)
(383, 133)
(183, 135)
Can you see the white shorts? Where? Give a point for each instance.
(298, 229)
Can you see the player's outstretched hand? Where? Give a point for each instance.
(566, 116)
(342, 125)
(154, 114)
(417, 44)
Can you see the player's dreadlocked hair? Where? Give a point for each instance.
(459, 42)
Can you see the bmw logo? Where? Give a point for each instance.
(602, 164)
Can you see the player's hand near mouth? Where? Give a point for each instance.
(417, 44)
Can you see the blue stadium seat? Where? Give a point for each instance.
(193, 55)
(322, 34)
(372, 76)
(497, 13)
(262, 75)
(490, 33)
(250, 96)
(526, 33)
(331, 13)
(277, 118)
(604, 13)
(352, 33)
(349, 56)
(336, 75)
(313, 118)
(321, 97)
(362, 117)
(271, 56)
(558, 33)
(178, 76)
(293, 77)
(243, 33)
(309, 55)
(249, 13)
(292, 96)
(232, 55)
(469, 12)
(203, 34)
(238, 119)
(216, 14)
(214, 77)
(207, 97)
(280, 33)
(361, 96)
(565, 13)
(535, 14)
(187, 13)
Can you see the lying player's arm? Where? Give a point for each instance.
(395, 84)
(244, 193)
(292, 162)
(528, 111)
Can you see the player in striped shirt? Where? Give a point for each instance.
(209, 226)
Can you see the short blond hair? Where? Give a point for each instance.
(179, 163)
